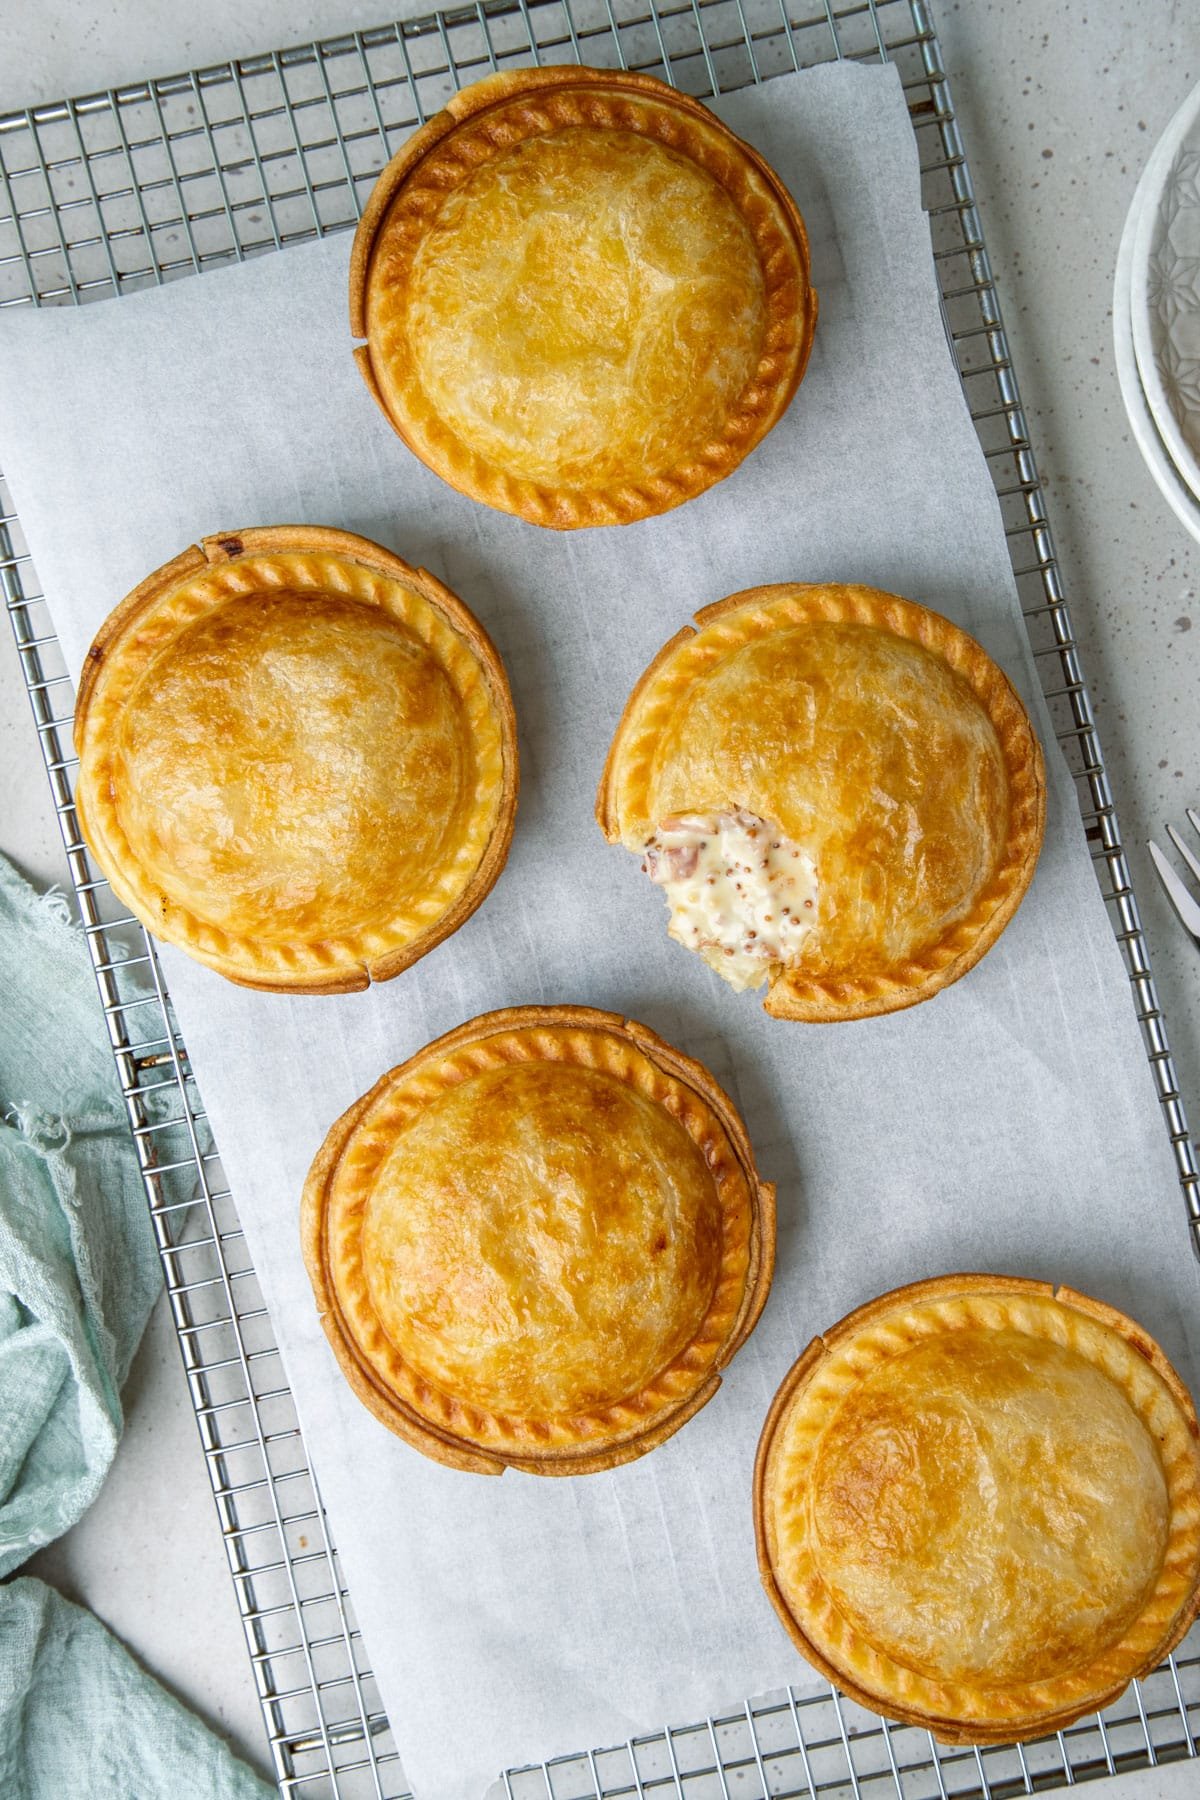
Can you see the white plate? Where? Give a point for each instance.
(1170, 482)
(1165, 289)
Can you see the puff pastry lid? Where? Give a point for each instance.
(978, 1506)
(584, 299)
(877, 742)
(297, 758)
(535, 1244)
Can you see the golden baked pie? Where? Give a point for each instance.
(535, 1244)
(297, 758)
(838, 790)
(584, 299)
(977, 1502)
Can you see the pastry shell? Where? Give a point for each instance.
(533, 1207)
(964, 1545)
(298, 758)
(870, 728)
(633, 410)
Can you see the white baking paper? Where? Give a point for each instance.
(1009, 1125)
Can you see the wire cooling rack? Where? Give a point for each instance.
(168, 178)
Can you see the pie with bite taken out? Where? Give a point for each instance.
(536, 1243)
(839, 791)
(977, 1502)
(297, 758)
(583, 299)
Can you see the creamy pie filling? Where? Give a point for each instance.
(741, 894)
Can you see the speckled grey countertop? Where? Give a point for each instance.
(1060, 102)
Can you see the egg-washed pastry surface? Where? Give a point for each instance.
(297, 758)
(977, 1503)
(535, 1244)
(839, 792)
(584, 299)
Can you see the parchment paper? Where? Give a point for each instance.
(1008, 1125)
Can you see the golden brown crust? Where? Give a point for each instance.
(252, 722)
(1085, 1434)
(622, 458)
(536, 1243)
(885, 740)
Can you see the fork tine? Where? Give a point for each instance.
(1194, 819)
(1177, 894)
(1192, 862)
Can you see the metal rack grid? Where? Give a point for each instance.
(167, 178)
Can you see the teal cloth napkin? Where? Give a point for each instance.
(79, 1273)
(78, 1268)
(79, 1720)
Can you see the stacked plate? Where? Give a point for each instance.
(1156, 313)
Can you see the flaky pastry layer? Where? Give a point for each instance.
(874, 734)
(536, 1243)
(297, 758)
(977, 1503)
(584, 299)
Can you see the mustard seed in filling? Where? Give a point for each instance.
(741, 894)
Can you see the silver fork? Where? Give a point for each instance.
(1183, 902)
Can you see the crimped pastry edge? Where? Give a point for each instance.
(346, 973)
(446, 1446)
(824, 1002)
(617, 503)
(1012, 1727)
